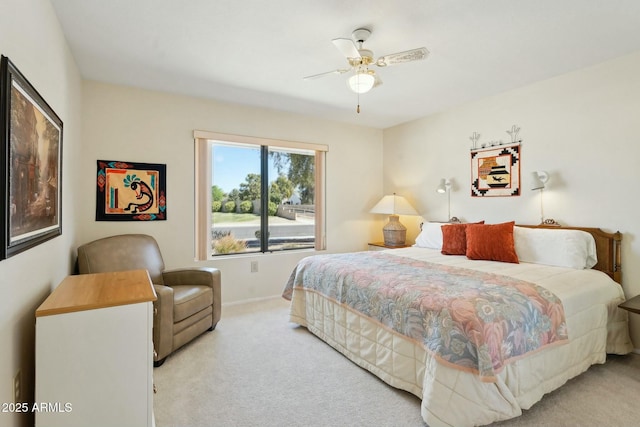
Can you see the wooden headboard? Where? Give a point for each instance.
(607, 247)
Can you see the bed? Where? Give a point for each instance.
(447, 319)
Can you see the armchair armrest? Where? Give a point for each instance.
(163, 322)
(202, 276)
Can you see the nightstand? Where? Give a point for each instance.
(380, 246)
(632, 304)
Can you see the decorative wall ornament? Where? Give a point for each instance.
(495, 166)
(31, 165)
(475, 137)
(514, 133)
(127, 191)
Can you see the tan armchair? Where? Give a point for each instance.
(188, 299)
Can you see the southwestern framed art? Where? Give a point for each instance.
(31, 166)
(495, 171)
(128, 191)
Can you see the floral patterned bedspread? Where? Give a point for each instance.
(471, 320)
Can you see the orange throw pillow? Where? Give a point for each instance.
(492, 242)
(454, 241)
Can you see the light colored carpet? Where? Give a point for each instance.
(257, 369)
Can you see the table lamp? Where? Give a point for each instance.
(395, 234)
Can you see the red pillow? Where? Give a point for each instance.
(454, 241)
(492, 242)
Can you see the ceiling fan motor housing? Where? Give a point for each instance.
(366, 58)
(360, 35)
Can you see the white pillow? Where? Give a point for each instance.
(562, 248)
(430, 236)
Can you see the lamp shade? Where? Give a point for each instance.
(394, 205)
(444, 186)
(361, 82)
(539, 179)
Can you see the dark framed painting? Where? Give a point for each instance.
(31, 166)
(495, 171)
(128, 191)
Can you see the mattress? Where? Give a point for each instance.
(450, 396)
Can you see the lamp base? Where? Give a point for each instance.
(395, 234)
(549, 221)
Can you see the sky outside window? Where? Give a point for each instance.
(231, 165)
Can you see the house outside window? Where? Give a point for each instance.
(256, 195)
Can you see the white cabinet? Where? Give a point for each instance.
(94, 352)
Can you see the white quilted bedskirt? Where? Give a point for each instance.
(451, 397)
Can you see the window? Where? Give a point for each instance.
(257, 195)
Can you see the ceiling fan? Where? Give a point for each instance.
(360, 59)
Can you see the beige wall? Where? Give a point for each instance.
(121, 123)
(30, 36)
(581, 127)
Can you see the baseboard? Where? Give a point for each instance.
(250, 300)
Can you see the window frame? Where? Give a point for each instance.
(203, 150)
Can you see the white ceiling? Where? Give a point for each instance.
(256, 52)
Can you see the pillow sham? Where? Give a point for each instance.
(493, 242)
(454, 240)
(430, 237)
(562, 248)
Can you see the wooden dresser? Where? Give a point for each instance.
(94, 352)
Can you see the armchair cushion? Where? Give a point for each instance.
(188, 300)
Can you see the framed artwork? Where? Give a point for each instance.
(495, 171)
(31, 166)
(128, 191)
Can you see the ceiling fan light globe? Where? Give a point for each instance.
(361, 82)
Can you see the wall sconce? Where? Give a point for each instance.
(395, 234)
(540, 178)
(445, 187)
(539, 182)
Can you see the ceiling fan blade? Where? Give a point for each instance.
(317, 76)
(347, 47)
(400, 57)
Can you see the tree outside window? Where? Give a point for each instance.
(262, 199)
